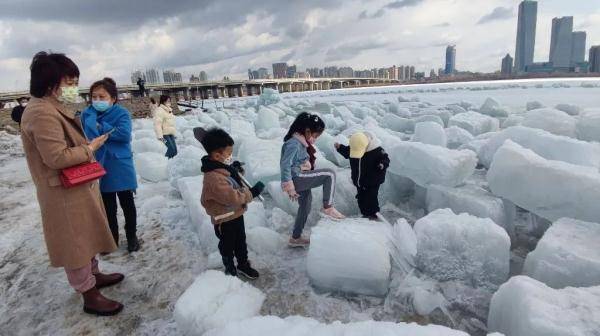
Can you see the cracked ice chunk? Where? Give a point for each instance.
(526, 307)
(151, 166)
(266, 119)
(473, 200)
(430, 133)
(303, 326)
(551, 120)
(492, 108)
(427, 164)
(549, 189)
(457, 137)
(352, 256)
(190, 189)
(588, 126)
(567, 255)
(475, 123)
(545, 144)
(261, 158)
(462, 247)
(215, 300)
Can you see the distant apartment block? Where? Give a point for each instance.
(526, 27)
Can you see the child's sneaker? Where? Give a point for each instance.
(298, 242)
(246, 270)
(332, 213)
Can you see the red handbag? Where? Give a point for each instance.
(82, 173)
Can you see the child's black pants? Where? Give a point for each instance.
(232, 240)
(368, 203)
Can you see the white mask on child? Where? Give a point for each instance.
(228, 160)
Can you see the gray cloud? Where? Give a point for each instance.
(442, 25)
(403, 3)
(499, 13)
(390, 6)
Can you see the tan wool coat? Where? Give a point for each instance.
(222, 199)
(74, 221)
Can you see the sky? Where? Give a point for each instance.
(225, 38)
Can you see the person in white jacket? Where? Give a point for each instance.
(164, 125)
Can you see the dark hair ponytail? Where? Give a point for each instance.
(163, 99)
(305, 121)
(107, 84)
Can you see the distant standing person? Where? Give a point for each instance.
(73, 219)
(141, 86)
(17, 111)
(164, 125)
(102, 117)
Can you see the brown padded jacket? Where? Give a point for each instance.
(222, 197)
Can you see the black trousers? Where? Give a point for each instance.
(232, 240)
(368, 203)
(129, 211)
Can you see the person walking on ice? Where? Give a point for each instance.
(368, 163)
(299, 176)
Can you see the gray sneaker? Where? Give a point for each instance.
(298, 242)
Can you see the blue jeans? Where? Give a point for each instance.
(171, 146)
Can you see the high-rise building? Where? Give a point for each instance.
(412, 72)
(136, 75)
(507, 65)
(250, 74)
(169, 76)
(262, 73)
(432, 74)
(450, 60)
(401, 72)
(330, 72)
(178, 78)
(560, 42)
(595, 59)
(525, 35)
(280, 70)
(203, 76)
(406, 72)
(152, 76)
(440, 72)
(194, 79)
(578, 47)
(346, 72)
(291, 71)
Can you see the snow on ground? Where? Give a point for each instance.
(180, 244)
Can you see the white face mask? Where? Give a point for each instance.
(228, 160)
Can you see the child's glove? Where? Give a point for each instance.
(237, 165)
(257, 189)
(288, 188)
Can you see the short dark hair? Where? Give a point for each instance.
(107, 84)
(216, 139)
(163, 99)
(47, 70)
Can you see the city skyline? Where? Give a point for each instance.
(308, 34)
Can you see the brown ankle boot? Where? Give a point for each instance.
(106, 280)
(96, 304)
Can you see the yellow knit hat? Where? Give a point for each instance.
(358, 145)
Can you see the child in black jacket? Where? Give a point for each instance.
(368, 162)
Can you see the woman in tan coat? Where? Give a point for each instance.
(74, 221)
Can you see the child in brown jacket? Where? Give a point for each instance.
(225, 197)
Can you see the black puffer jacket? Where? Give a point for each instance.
(368, 171)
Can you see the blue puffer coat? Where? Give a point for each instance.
(115, 155)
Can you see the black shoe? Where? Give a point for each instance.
(229, 267)
(246, 270)
(134, 245)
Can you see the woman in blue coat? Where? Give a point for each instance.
(102, 117)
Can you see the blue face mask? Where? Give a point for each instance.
(101, 105)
